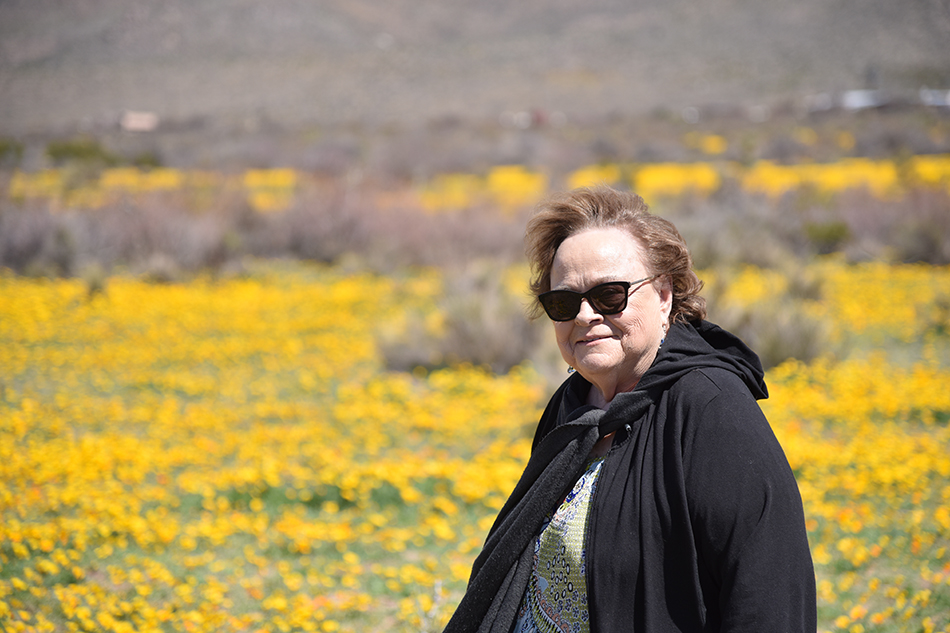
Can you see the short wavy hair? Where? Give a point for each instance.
(566, 214)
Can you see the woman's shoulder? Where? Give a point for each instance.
(716, 420)
(706, 383)
(718, 402)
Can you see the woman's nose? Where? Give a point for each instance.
(587, 314)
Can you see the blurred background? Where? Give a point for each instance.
(411, 133)
(415, 88)
(264, 360)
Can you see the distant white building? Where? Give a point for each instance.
(938, 98)
(137, 121)
(861, 99)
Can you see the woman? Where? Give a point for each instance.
(656, 497)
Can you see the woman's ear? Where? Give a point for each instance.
(665, 292)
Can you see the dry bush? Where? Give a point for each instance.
(912, 228)
(325, 223)
(485, 320)
(335, 218)
(322, 225)
(778, 331)
(25, 237)
(732, 227)
(782, 327)
(412, 237)
(37, 241)
(484, 323)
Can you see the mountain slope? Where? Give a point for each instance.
(65, 63)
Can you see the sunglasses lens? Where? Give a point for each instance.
(609, 298)
(561, 305)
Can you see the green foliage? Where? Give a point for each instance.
(11, 152)
(82, 151)
(827, 237)
(147, 160)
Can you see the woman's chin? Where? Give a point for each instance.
(593, 366)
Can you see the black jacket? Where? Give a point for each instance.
(696, 523)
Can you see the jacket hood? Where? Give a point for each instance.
(706, 344)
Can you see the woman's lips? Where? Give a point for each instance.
(590, 340)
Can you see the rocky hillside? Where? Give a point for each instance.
(302, 67)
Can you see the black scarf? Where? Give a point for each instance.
(568, 431)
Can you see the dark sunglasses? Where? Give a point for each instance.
(606, 298)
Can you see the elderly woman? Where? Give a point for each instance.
(656, 497)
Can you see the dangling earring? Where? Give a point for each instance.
(663, 336)
(570, 369)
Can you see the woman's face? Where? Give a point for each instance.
(611, 351)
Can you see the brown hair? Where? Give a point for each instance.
(566, 214)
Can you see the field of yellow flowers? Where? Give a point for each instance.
(231, 454)
(508, 187)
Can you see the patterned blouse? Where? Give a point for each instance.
(556, 598)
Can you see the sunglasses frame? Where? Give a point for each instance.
(636, 285)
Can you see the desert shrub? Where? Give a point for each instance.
(11, 152)
(480, 320)
(37, 244)
(149, 159)
(322, 225)
(731, 227)
(383, 227)
(827, 237)
(449, 240)
(778, 331)
(332, 222)
(325, 223)
(485, 322)
(159, 238)
(477, 316)
(773, 312)
(37, 241)
(23, 235)
(912, 228)
(82, 150)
